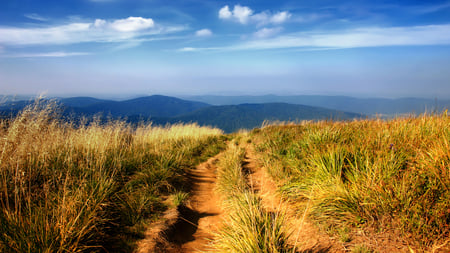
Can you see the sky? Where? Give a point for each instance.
(195, 47)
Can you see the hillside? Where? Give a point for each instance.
(81, 101)
(162, 110)
(144, 107)
(234, 117)
(151, 106)
(367, 106)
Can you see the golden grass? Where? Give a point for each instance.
(248, 226)
(385, 174)
(88, 187)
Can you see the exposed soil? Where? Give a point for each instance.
(202, 216)
(188, 228)
(304, 235)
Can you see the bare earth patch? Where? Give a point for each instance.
(191, 227)
(305, 237)
(202, 216)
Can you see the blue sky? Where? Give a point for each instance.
(193, 47)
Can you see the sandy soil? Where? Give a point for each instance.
(202, 216)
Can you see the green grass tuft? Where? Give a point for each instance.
(249, 227)
(392, 174)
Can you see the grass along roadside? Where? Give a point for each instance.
(248, 226)
(387, 176)
(93, 187)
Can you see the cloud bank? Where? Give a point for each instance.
(100, 30)
(355, 38)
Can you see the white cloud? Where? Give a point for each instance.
(244, 14)
(355, 38)
(132, 24)
(280, 17)
(99, 23)
(35, 16)
(261, 18)
(362, 37)
(52, 35)
(203, 33)
(188, 49)
(198, 49)
(120, 30)
(267, 32)
(424, 9)
(225, 13)
(48, 54)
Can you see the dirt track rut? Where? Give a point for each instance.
(202, 215)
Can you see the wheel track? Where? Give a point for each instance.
(304, 237)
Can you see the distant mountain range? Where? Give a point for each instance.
(248, 116)
(162, 110)
(367, 106)
(231, 113)
(151, 106)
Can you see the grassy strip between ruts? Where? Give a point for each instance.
(248, 227)
(387, 175)
(90, 187)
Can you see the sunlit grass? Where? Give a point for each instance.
(248, 227)
(84, 187)
(391, 174)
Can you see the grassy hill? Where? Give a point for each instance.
(90, 188)
(231, 118)
(162, 110)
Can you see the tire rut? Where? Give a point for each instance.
(201, 217)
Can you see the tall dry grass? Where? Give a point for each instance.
(388, 175)
(90, 187)
(248, 227)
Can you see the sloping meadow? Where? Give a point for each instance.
(90, 187)
(384, 175)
